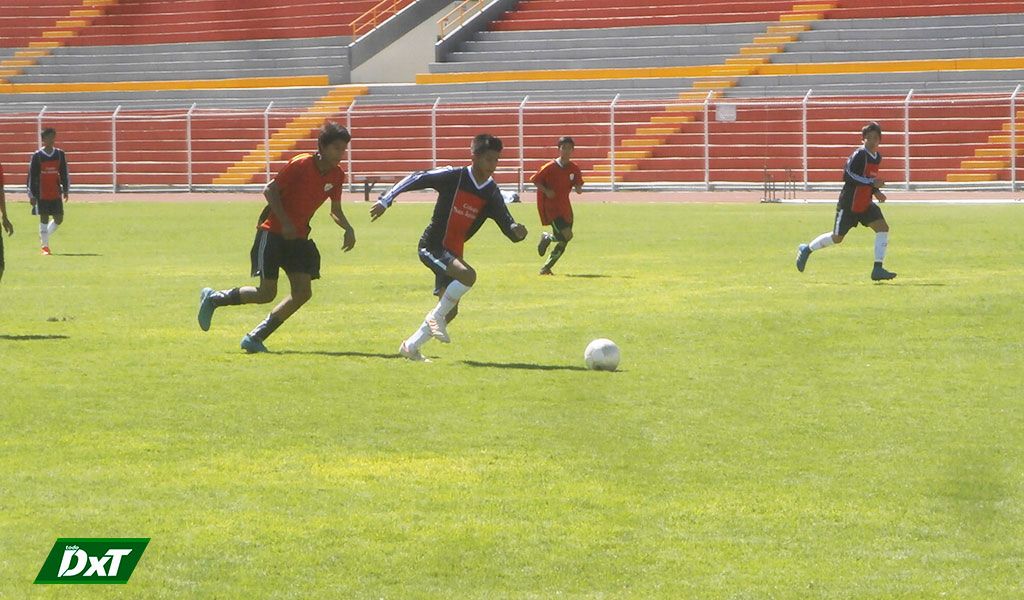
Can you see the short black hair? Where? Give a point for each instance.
(48, 132)
(484, 142)
(566, 140)
(332, 132)
(872, 126)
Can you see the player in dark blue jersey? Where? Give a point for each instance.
(466, 197)
(861, 183)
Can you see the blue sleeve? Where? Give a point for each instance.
(499, 212)
(421, 180)
(855, 168)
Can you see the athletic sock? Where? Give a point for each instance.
(52, 227)
(232, 297)
(822, 241)
(881, 245)
(267, 327)
(418, 338)
(555, 255)
(44, 234)
(450, 298)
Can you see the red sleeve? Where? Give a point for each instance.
(541, 175)
(579, 176)
(288, 173)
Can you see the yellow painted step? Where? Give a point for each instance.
(618, 167)
(991, 165)
(94, 3)
(632, 154)
(759, 50)
(770, 40)
(71, 23)
(674, 119)
(657, 130)
(642, 142)
(713, 84)
(17, 62)
(58, 33)
(1020, 127)
(701, 96)
(800, 17)
(85, 12)
(684, 108)
(996, 152)
(46, 44)
(814, 7)
(752, 61)
(30, 53)
(602, 179)
(787, 29)
(970, 177)
(10, 72)
(1006, 139)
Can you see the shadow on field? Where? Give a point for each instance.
(524, 366)
(75, 254)
(342, 353)
(32, 337)
(596, 276)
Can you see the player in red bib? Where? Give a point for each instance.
(466, 197)
(282, 236)
(47, 186)
(861, 184)
(554, 181)
(3, 219)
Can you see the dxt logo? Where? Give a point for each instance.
(92, 560)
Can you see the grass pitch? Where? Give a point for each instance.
(770, 434)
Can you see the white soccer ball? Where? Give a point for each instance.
(601, 355)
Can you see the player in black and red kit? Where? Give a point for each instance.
(861, 184)
(466, 197)
(282, 237)
(47, 186)
(4, 221)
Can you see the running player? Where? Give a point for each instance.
(554, 182)
(47, 185)
(855, 206)
(466, 197)
(282, 237)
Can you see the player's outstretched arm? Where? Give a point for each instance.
(339, 217)
(419, 180)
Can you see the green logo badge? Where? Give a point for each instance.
(92, 560)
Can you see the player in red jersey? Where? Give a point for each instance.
(4, 221)
(47, 186)
(861, 183)
(554, 181)
(466, 197)
(282, 237)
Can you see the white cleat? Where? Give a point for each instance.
(438, 328)
(413, 355)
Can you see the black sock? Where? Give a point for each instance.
(232, 297)
(878, 264)
(267, 327)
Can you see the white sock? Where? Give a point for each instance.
(52, 227)
(449, 299)
(822, 241)
(881, 244)
(418, 338)
(44, 234)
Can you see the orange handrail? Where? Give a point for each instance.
(447, 22)
(382, 11)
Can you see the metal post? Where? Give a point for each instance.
(522, 142)
(433, 133)
(113, 148)
(803, 127)
(39, 124)
(1013, 139)
(611, 120)
(188, 140)
(707, 140)
(348, 151)
(906, 139)
(266, 138)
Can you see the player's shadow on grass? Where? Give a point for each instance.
(596, 276)
(76, 254)
(524, 366)
(342, 353)
(32, 337)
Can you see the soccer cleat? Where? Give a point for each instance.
(880, 274)
(253, 345)
(803, 252)
(545, 271)
(413, 355)
(542, 245)
(45, 251)
(438, 328)
(206, 308)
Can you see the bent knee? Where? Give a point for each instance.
(567, 235)
(838, 239)
(265, 294)
(468, 277)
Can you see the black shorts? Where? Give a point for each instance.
(271, 252)
(846, 219)
(48, 207)
(437, 260)
(558, 224)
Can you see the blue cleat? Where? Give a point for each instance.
(803, 252)
(206, 308)
(253, 345)
(880, 274)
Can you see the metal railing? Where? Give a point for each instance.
(457, 16)
(377, 14)
(717, 143)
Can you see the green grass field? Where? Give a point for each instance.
(769, 434)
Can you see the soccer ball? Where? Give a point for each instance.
(601, 355)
